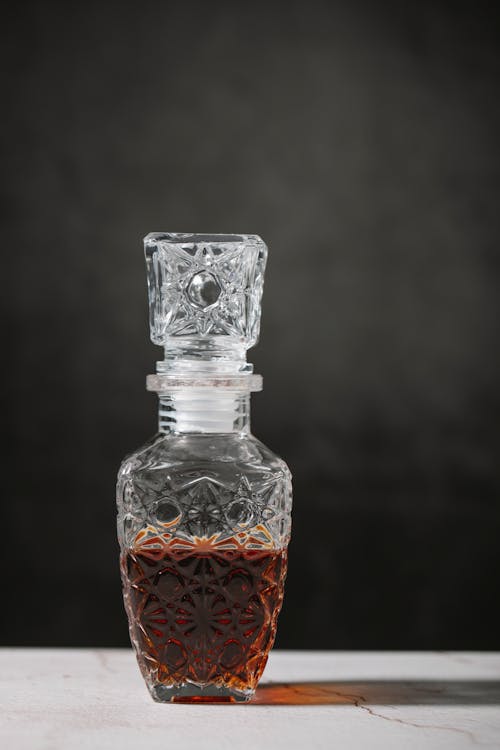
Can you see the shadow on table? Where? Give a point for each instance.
(380, 693)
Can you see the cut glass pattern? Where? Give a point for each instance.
(166, 500)
(204, 555)
(206, 286)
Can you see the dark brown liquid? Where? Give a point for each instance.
(204, 617)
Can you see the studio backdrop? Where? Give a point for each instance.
(360, 140)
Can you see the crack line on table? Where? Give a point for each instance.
(360, 703)
(103, 660)
(470, 660)
(457, 658)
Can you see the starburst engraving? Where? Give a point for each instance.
(202, 509)
(205, 289)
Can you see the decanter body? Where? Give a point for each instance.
(203, 507)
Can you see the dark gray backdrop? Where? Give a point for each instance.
(360, 140)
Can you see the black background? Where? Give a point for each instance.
(361, 141)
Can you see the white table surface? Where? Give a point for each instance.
(70, 699)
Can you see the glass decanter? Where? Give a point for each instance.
(203, 507)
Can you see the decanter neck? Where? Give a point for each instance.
(204, 411)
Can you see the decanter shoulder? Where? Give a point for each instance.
(140, 455)
(269, 458)
(170, 450)
(203, 485)
(169, 462)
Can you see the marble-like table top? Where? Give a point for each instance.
(82, 699)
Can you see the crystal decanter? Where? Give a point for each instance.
(203, 507)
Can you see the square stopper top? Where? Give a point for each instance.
(205, 288)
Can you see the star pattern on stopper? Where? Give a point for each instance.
(205, 288)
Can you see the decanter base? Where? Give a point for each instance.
(188, 693)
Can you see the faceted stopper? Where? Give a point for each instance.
(205, 293)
